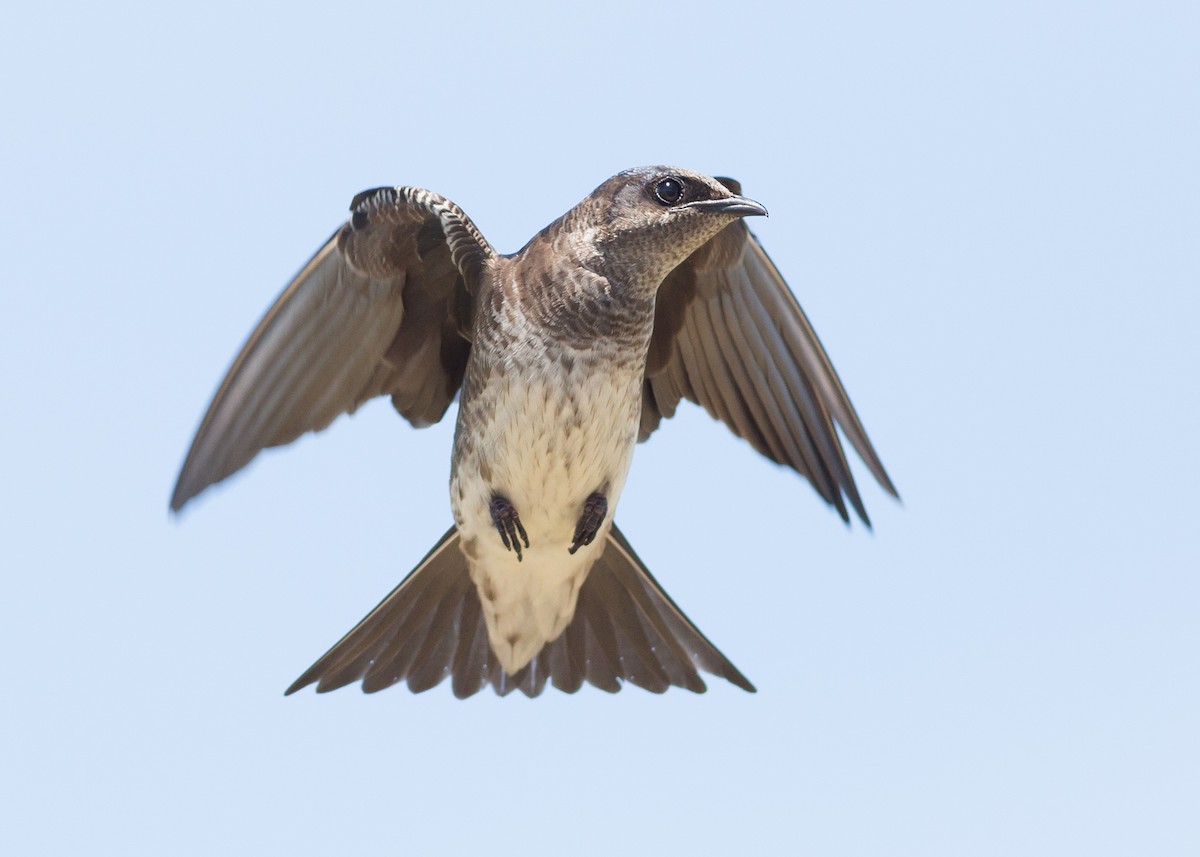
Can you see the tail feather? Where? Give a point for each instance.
(565, 663)
(470, 669)
(677, 643)
(431, 626)
(601, 666)
(374, 643)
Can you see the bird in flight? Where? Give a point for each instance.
(563, 355)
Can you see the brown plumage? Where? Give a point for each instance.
(649, 291)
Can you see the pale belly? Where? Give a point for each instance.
(544, 442)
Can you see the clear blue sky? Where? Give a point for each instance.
(990, 211)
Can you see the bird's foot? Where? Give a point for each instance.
(595, 507)
(508, 524)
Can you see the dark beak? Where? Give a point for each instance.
(738, 205)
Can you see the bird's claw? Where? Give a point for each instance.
(508, 524)
(595, 507)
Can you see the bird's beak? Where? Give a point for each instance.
(738, 205)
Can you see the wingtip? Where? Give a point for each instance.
(881, 475)
(891, 489)
(182, 494)
(736, 678)
(298, 684)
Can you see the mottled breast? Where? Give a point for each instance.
(549, 414)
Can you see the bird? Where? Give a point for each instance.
(563, 356)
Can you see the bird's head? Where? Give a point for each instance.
(645, 221)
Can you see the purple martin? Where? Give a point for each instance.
(563, 356)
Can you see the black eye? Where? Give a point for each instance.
(669, 191)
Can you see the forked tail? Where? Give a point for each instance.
(625, 629)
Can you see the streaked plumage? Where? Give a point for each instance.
(566, 352)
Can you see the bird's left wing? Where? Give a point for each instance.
(730, 336)
(383, 307)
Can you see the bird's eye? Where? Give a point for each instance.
(668, 191)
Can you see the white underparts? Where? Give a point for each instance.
(545, 440)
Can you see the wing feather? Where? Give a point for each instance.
(730, 336)
(374, 312)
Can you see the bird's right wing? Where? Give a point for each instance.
(382, 308)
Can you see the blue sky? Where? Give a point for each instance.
(989, 211)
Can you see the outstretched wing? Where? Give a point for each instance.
(730, 336)
(382, 308)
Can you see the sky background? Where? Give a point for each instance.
(990, 212)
